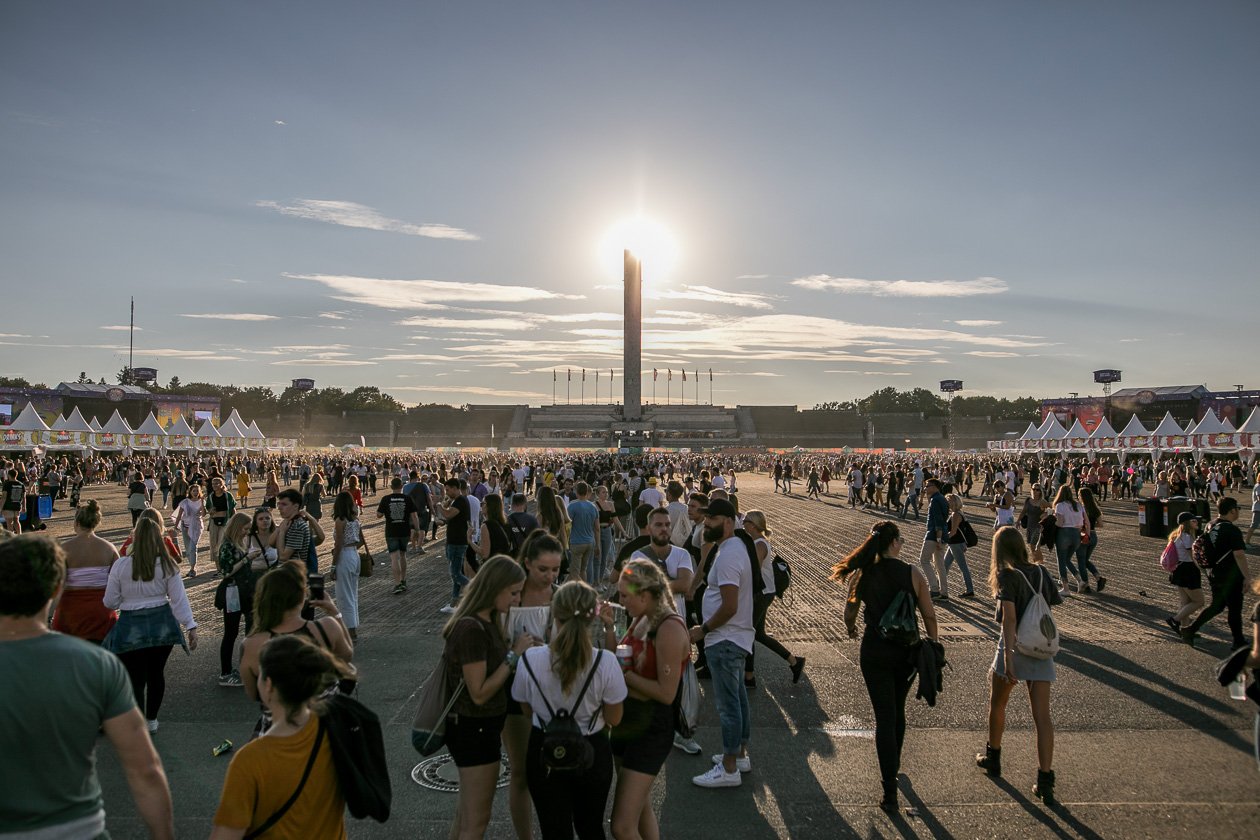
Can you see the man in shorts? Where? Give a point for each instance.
(400, 516)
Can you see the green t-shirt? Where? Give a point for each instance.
(56, 692)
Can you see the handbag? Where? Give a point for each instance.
(365, 561)
(428, 730)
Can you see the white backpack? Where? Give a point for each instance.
(1036, 636)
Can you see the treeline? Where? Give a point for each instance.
(930, 403)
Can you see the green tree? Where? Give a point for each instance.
(845, 405)
(174, 385)
(83, 378)
(125, 376)
(14, 382)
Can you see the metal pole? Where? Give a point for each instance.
(131, 341)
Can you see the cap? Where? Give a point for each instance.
(1185, 516)
(720, 507)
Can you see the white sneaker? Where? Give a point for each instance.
(743, 764)
(448, 609)
(717, 777)
(153, 725)
(1063, 591)
(232, 680)
(687, 745)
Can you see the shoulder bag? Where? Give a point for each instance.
(428, 730)
(284, 809)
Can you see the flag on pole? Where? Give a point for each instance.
(553, 376)
(583, 374)
(710, 374)
(669, 374)
(569, 374)
(610, 376)
(684, 374)
(654, 374)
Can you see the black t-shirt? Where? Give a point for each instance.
(878, 585)
(14, 494)
(1226, 539)
(1016, 585)
(217, 505)
(500, 539)
(457, 525)
(397, 509)
(521, 525)
(630, 548)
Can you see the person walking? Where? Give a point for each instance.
(346, 561)
(189, 517)
(957, 542)
(584, 534)
(932, 555)
(145, 587)
(1089, 542)
(1186, 576)
(1227, 573)
(1031, 515)
(401, 518)
(568, 673)
(80, 609)
(458, 515)
(1015, 578)
(219, 507)
(234, 563)
(757, 528)
(1069, 516)
(876, 576)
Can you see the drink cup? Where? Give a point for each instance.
(1237, 689)
(624, 654)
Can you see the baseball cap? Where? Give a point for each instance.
(720, 507)
(1185, 516)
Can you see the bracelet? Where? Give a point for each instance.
(511, 659)
(337, 616)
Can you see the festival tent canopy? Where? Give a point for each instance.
(76, 423)
(58, 424)
(1103, 437)
(1168, 435)
(208, 438)
(28, 420)
(1030, 433)
(70, 433)
(93, 424)
(117, 425)
(1046, 425)
(150, 435)
(232, 432)
(1077, 437)
(254, 438)
(1209, 425)
(1052, 434)
(180, 435)
(115, 434)
(1252, 424)
(25, 432)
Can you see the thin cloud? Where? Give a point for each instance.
(753, 277)
(755, 373)
(477, 390)
(319, 362)
(991, 354)
(978, 323)
(479, 324)
(871, 372)
(332, 316)
(500, 365)
(902, 288)
(709, 294)
(230, 316)
(236, 280)
(351, 214)
(423, 294)
(122, 328)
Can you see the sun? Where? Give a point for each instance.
(647, 239)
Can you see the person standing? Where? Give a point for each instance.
(1015, 578)
(347, 540)
(1072, 530)
(53, 790)
(932, 555)
(757, 528)
(457, 513)
(401, 518)
(80, 610)
(584, 536)
(728, 635)
(189, 517)
(219, 506)
(1227, 573)
(957, 543)
(137, 497)
(876, 575)
(1186, 576)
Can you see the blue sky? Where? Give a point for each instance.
(412, 195)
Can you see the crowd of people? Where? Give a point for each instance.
(579, 588)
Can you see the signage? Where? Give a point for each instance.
(303, 384)
(1107, 376)
(951, 385)
(115, 394)
(144, 374)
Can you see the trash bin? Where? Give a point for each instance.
(1174, 507)
(1151, 518)
(45, 507)
(1203, 510)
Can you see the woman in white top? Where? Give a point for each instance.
(145, 587)
(347, 539)
(1069, 515)
(1186, 577)
(755, 524)
(190, 517)
(551, 678)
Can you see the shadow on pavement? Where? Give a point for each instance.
(922, 811)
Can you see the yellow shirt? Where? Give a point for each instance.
(264, 774)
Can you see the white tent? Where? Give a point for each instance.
(232, 432)
(73, 434)
(1103, 439)
(1211, 435)
(1052, 434)
(208, 437)
(115, 434)
(1249, 436)
(27, 430)
(1077, 438)
(180, 436)
(1135, 438)
(94, 424)
(149, 436)
(58, 424)
(1168, 435)
(255, 440)
(1028, 440)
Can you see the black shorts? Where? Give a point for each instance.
(474, 741)
(1187, 576)
(645, 735)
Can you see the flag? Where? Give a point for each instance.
(610, 375)
(697, 374)
(684, 374)
(569, 373)
(583, 374)
(669, 374)
(654, 374)
(710, 374)
(553, 376)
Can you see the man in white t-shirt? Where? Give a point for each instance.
(728, 635)
(675, 561)
(652, 494)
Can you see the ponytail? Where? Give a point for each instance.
(572, 610)
(870, 552)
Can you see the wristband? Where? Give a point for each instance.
(704, 628)
(511, 659)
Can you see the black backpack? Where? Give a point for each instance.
(782, 575)
(564, 746)
(358, 750)
(970, 538)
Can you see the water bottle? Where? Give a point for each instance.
(1238, 688)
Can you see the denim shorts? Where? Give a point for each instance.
(393, 544)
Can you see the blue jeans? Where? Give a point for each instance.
(1083, 554)
(958, 554)
(607, 551)
(726, 664)
(455, 559)
(1067, 542)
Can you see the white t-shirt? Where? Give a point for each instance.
(652, 496)
(474, 517)
(719, 482)
(607, 686)
(1255, 498)
(1071, 518)
(679, 523)
(767, 566)
(730, 567)
(679, 558)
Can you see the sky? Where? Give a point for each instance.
(418, 196)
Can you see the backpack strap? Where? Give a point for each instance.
(306, 774)
(529, 668)
(590, 676)
(323, 634)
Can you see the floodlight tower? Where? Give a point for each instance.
(1107, 378)
(951, 387)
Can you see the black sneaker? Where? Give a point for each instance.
(1174, 624)
(1102, 584)
(399, 589)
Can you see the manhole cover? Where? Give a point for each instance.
(440, 773)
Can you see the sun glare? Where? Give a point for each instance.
(648, 240)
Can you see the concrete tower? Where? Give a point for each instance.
(632, 346)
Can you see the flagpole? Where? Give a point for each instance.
(710, 386)
(553, 386)
(568, 386)
(583, 386)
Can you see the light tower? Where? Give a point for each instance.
(1107, 378)
(632, 344)
(951, 387)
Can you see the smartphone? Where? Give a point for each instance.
(315, 583)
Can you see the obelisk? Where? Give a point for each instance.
(632, 345)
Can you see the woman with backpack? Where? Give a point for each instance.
(659, 649)
(1185, 575)
(293, 760)
(478, 657)
(888, 587)
(1019, 582)
(956, 539)
(572, 692)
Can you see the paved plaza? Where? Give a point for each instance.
(1148, 745)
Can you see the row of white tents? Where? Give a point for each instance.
(28, 431)
(1210, 436)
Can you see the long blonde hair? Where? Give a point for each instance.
(148, 549)
(644, 576)
(234, 531)
(572, 609)
(494, 576)
(1010, 551)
